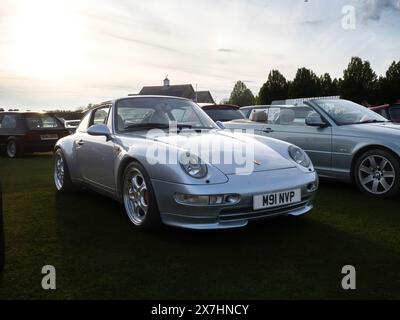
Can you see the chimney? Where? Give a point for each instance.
(166, 81)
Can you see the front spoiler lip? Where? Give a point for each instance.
(180, 221)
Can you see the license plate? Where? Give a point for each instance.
(276, 199)
(49, 137)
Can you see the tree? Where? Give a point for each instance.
(241, 95)
(390, 84)
(305, 84)
(276, 88)
(327, 86)
(359, 82)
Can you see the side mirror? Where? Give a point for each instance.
(220, 124)
(315, 120)
(100, 130)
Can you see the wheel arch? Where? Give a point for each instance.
(367, 148)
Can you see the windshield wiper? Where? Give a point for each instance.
(150, 125)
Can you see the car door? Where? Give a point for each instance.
(96, 154)
(289, 124)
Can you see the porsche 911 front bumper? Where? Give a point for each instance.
(225, 216)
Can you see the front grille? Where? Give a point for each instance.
(249, 213)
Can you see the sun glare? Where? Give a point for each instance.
(46, 39)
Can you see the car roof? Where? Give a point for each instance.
(220, 107)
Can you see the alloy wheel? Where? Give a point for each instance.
(377, 174)
(59, 171)
(136, 196)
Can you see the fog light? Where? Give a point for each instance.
(232, 198)
(192, 199)
(207, 200)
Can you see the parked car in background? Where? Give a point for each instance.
(29, 132)
(110, 153)
(223, 112)
(344, 140)
(389, 111)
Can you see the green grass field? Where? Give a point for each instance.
(98, 255)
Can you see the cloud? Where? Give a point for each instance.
(141, 42)
(225, 50)
(373, 9)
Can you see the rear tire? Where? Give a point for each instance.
(62, 178)
(377, 173)
(12, 149)
(139, 198)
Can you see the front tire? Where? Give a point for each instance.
(62, 178)
(139, 198)
(377, 173)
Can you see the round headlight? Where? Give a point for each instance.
(193, 166)
(299, 156)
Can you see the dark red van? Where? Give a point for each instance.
(29, 132)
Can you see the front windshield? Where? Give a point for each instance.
(345, 112)
(146, 113)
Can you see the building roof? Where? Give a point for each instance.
(204, 97)
(181, 91)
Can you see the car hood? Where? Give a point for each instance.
(230, 153)
(372, 129)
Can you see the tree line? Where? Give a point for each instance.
(359, 83)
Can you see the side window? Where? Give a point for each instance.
(295, 116)
(84, 123)
(100, 116)
(8, 121)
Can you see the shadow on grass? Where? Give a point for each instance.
(288, 258)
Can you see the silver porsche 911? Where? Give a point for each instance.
(168, 162)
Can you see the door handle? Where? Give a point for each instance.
(80, 142)
(268, 130)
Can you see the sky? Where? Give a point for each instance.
(69, 53)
